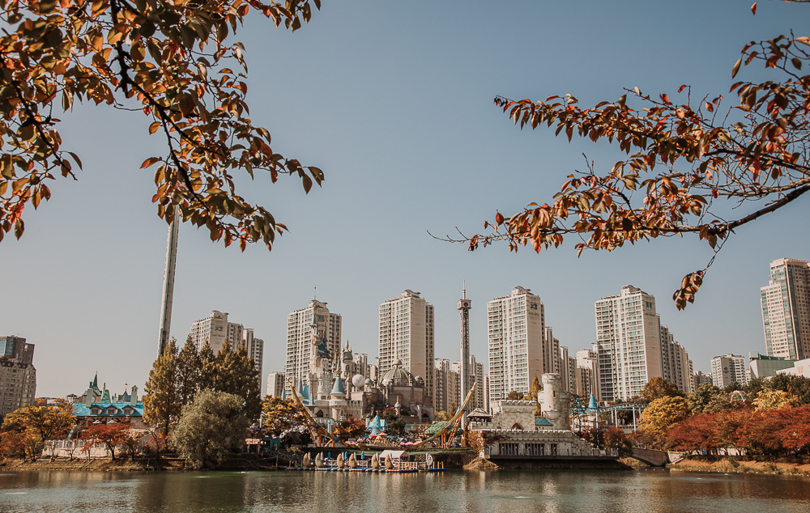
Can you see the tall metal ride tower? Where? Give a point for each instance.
(464, 306)
(168, 283)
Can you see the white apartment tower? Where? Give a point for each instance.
(447, 386)
(515, 326)
(786, 310)
(406, 334)
(727, 369)
(551, 353)
(299, 337)
(275, 384)
(213, 329)
(629, 343)
(677, 368)
(586, 378)
(254, 347)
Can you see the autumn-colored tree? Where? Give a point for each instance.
(38, 423)
(727, 424)
(661, 415)
(352, 428)
(236, 374)
(111, 435)
(615, 438)
(759, 434)
(514, 395)
(171, 61)
(442, 415)
(189, 369)
(211, 426)
(695, 433)
(161, 405)
(208, 367)
(774, 400)
(156, 442)
(795, 433)
(279, 415)
(684, 162)
(657, 388)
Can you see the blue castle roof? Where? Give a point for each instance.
(117, 409)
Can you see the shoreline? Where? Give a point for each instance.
(731, 465)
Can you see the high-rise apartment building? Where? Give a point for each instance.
(675, 362)
(727, 369)
(299, 337)
(447, 386)
(361, 365)
(18, 377)
(551, 352)
(629, 343)
(515, 326)
(216, 329)
(276, 384)
(255, 349)
(406, 334)
(587, 378)
(786, 309)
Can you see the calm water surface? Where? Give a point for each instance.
(475, 491)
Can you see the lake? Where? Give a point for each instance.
(657, 491)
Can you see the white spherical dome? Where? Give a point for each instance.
(358, 380)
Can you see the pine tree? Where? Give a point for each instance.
(236, 374)
(161, 405)
(189, 372)
(208, 368)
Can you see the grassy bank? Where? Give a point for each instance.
(729, 465)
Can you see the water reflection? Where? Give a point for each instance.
(469, 491)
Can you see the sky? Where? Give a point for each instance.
(393, 100)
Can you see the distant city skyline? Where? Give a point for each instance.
(396, 108)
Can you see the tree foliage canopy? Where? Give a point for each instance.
(170, 60)
(29, 427)
(657, 388)
(279, 414)
(661, 415)
(213, 424)
(686, 162)
(175, 380)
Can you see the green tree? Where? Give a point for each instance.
(661, 415)
(279, 415)
(683, 163)
(211, 426)
(31, 426)
(396, 424)
(189, 370)
(172, 62)
(699, 399)
(754, 387)
(657, 388)
(161, 404)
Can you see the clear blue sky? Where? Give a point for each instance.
(393, 100)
